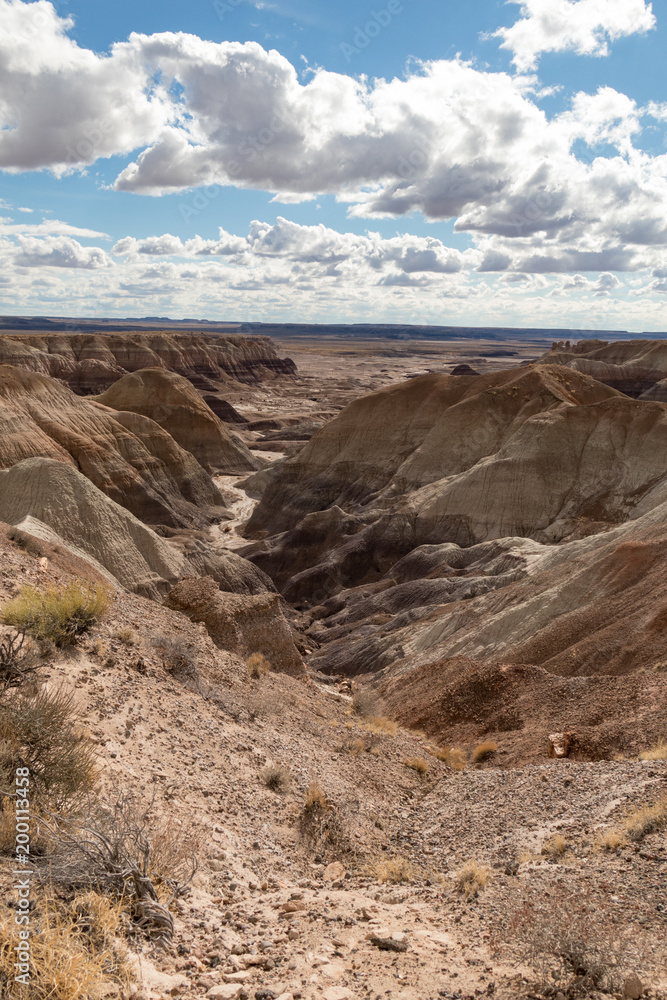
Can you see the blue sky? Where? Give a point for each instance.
(487, 163)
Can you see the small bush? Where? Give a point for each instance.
(484, 751)
(178, 660)
(658, 752)
(417, 764)
(365, 702)
(393, 870)
(554, 847)
(453, 757)
(276, 777)
(322, 824)
(39, 730)
(471, 878)
(258, 665)
(59, 616)
(566, 942)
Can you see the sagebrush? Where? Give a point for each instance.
(57, 615)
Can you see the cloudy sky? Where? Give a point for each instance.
(435, 161)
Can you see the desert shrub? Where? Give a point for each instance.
(365, 702)
(59, 616)
(277, 777)
(453, 757)
(484, 751)
(471, 878)
(554, 847)
(322, 824)
(658, 752)
(74, 949)
(393, 870)
(565, 943)
(417, 764)
(258, 665)
(118, 851)
(179, 661)
(17, 664)
(38, 730)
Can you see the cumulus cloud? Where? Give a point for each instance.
(59, 251)
(582, 26)
(449, 140)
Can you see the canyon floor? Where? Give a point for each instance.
(402, 877)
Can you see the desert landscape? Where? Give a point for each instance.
(339, 666)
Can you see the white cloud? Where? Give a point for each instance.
(449, 140)
(582, 26)
(50, 227)
(58, 251)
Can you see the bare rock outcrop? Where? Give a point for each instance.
(630, 366)
(126, 455)
(90, 363)
(537, 452)
(172, 402)
(238, 623)
(46, 498)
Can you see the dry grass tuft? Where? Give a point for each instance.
(381, 726)
(453, 757)
(59, 616)
(554, 847)
(646, 819)
(471, 878)
(611, 840)
(258, 665)
(126, 635)
(658, 752)
(485, 751)
(315, 799)
(417, 764)
(393, 870)
(277, 777)
(74, 949)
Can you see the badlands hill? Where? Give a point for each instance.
(446, 532)
(172, 402)
(126, 455)
(635, 367)
(90, 363)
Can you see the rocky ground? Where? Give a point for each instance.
(273, 911)
(372, 868)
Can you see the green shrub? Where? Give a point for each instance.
(59, 616)
(38, 730)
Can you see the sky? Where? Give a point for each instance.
(405, 161)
